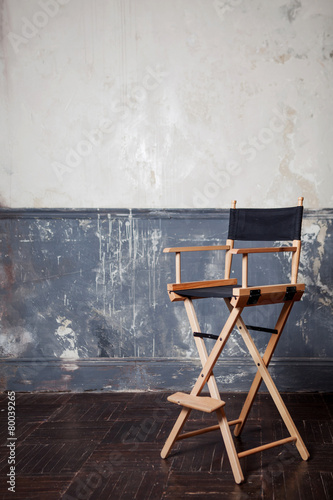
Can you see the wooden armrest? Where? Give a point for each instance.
(262, 250)
(196, 249)
(173, 287)
(178, 251)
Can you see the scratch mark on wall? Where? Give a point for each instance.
(128, 260)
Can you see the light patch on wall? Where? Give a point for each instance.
(302, 325)
(66, 338)
(69, 367)
(14, 342)
(321, 235)
(45, 232)
(315, 234)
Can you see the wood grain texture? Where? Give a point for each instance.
(196, 249)
(106, 446)
(189, 285)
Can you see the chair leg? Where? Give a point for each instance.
(172, 438)
(206, 375)
(216, 351)
(213, 389)
(284, 314)
(230, 446)
(265, 375)
(200, 344)
(214, 392)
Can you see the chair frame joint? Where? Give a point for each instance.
(254, 296)
(290, 293)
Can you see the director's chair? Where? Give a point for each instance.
(281, 224)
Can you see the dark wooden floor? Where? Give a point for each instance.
(107, 446)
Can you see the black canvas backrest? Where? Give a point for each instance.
(271, 224)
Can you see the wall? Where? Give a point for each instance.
(127, 126)
(155, 104)
(84, 304)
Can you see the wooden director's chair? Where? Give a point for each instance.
(282, 224)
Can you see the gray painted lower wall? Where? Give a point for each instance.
(84, 303)
(162, 374)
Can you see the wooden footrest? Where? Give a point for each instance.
(201, 403)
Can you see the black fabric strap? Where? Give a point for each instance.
(261, 329)
(205, 335)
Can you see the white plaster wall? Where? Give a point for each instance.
(166, 103)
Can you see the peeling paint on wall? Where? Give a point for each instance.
(66, 337)
(92, 286)
(14, 342)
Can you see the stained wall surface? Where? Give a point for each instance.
(127, 126)
(84, 304)
(165, 104)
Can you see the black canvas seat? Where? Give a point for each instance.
(214, 291)
(276, 224)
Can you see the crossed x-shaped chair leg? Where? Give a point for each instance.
(206, 376)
